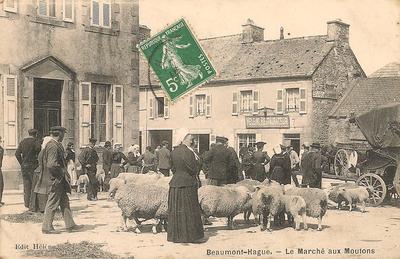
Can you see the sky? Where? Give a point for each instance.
(374, 25)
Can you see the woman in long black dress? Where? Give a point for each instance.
(184, 214)
(279, 169)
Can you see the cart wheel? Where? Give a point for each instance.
(341, 162)
(378, 185)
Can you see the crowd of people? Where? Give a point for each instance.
(49, 172)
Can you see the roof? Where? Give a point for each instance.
(391, 69)
(366, 94)
(272, 59)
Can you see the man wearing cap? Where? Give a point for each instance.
(260, 159)
(163, 158)
(219, 159)
(55, 182)
(311, 167)
(88, 159)
(27, 156)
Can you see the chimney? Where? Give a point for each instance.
(251, 32)
(144, 33)
(281, 36)
(338, 31)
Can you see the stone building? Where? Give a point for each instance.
(278, 91)
(382, 87)
(72, 63)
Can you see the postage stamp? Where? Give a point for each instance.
(177, 59)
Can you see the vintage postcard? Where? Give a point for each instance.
(199, 129)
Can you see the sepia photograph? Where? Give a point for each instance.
(185, 129)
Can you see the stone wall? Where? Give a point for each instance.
(332, 78)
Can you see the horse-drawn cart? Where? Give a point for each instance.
(380, 170)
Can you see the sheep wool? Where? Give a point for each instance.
(295, 206)
(333, 193)
(316, 200)
(221, 201)
(352, 196)
(147, 201)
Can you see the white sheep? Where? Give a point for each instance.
(223, 201)
(147, 201)
(251, 185)
(267, 202)
(316, 201)
(295, 206)
(124, 178)
(352, 196)
(82, 183)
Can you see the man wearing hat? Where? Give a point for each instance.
(27, 156)
(311, 167)
(219, 160)
(234, 166)
(260, 159)
(88, 159)
(55, 182)
(163, 158)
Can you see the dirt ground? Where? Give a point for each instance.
(373, 234)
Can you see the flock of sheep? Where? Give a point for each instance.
(145, 196)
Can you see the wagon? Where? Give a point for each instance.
(380, 170)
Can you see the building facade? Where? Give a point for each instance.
(72, 63)
(278, 91)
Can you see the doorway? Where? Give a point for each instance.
(47, 104)
(292, 140)
(201, 143)
(157, 136)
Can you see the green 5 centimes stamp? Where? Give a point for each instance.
(177, 59)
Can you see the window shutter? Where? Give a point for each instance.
(42, 7)
(68, 10)
(151, 108)
(303, 101)
(106, 14)
(279, 101)
(118, 114)
(85, 112)
(166, 108)
(191, 107)
(10, 5)
(208, 106)
(256, 100)
(95, 11)
(10, 111)
(235, 103)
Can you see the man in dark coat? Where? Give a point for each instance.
(218, 158)
(88, 159)
(163, 157)
(107, 161)
(27, 156)
(234, 166)
(260, 159)
(311, 167)
(55, 181)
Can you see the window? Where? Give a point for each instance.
(159, 103)
(101, 13)
(246, 140)
(246, 101)
(61, 9)
(292, 100)
(200, 104)
(99, 97)
(10, 5)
